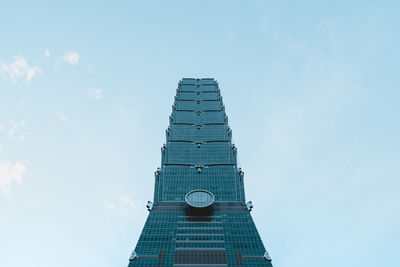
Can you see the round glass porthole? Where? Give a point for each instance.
(199, 198)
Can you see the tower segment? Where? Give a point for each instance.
(199, 216)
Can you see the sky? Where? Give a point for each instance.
(312, 93)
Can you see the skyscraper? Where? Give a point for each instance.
(199, 216)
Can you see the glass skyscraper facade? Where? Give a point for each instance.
(199, 216)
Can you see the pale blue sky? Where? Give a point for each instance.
(312, 94)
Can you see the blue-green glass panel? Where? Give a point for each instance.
(199, 118)
(177, 181)
(199, 154)
(199, 133)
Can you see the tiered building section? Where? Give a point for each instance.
(199, 216)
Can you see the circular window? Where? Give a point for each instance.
(199, 198)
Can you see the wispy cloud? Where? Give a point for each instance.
(95, 93)
(47, 53)
(71, 57)
(10, 173)
(17, 69)
(15, 130)
(124, 206)
(60, 116)
(32, 72)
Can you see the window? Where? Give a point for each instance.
(237, 254)
(162, 256)
(206, 256)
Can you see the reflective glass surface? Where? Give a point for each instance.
(199, 154)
